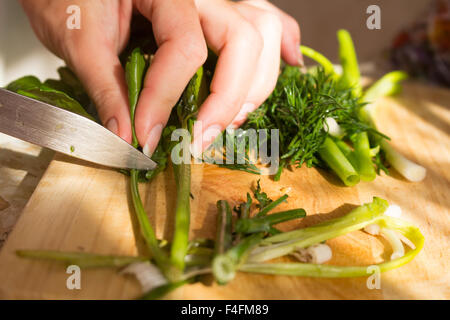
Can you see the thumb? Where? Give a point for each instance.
(103, 77)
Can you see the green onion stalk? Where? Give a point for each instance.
(288, 242)
(330, 271)
(338, 162)
(389, 85)
(186, 110)
(81, 259)
(351, 77)
(135, 69)
(353, 165)
(363, 156)
(231, 254)
(319, 58)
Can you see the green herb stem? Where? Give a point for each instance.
(182, 214)
(146, 229)
(81, 259)
(224, 266)
(265, 223)
(319, 58)
(272, 205)
(224, 227)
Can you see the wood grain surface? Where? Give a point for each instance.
(80, 207)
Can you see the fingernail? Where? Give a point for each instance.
(301, 61)
(242, 115)
(112, 126)
(152, 140)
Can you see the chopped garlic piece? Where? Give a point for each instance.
(393, 211)
(318, 254)
(392, 237)
(405, 240)
(333, 128)
(373, 229)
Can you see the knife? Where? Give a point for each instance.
(66, 132)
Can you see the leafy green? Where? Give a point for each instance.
(134, 71)
(261, 197)
(299, 107)
(24, 83)
(50, 92)
(56, 98)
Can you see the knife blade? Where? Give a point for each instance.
(66, 132)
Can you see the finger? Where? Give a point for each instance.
(269, 26)
(238, 45)
(104, 80)
(181, 51)
(290, 41)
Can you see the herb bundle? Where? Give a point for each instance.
(326, 120)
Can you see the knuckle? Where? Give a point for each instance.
(104, 98)
(194, 50)
(251, 36)
(270, 19)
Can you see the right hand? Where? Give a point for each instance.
(248, 37)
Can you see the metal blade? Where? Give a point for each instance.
(66, 132)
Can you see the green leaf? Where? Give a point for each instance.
(261, 197)
(189, 103)
(55, 98)
(70, 80)
(24, 83)
(135, 69)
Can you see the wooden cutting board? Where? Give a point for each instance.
(80, 207)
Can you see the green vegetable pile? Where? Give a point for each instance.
(326, 120)
(247, 237)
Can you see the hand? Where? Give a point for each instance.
(248, 36)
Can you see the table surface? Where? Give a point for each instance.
(21, 168)
(80, 207)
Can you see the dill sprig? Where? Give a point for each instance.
(298, 107)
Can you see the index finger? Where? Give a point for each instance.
(181, 51)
